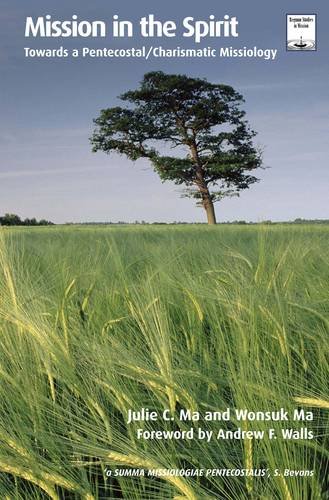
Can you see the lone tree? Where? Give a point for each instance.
(215, 153)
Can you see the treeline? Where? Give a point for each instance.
(235, 222)
(15, 220)
(296, 221)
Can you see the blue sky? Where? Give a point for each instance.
(47, 107)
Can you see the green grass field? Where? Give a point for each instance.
(98, 320)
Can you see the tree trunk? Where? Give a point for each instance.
(207, 202)
(210, 210)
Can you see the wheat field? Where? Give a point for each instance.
(95, 321)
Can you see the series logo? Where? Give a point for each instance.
(301, 32)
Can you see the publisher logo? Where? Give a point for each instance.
(301, 32)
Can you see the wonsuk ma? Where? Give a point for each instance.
(46, 27)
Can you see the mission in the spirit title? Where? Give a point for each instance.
(149, 27)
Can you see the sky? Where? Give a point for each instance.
(47, 107)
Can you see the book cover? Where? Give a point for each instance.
(164, 233)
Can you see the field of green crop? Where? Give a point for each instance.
(98, 320)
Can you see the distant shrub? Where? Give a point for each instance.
(15, 220)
